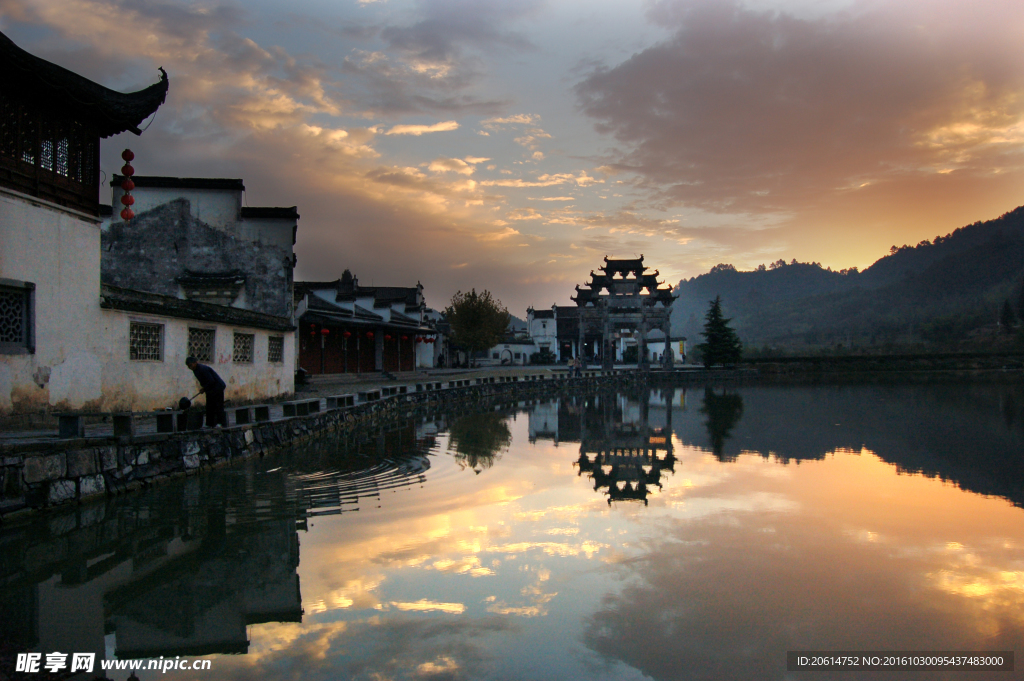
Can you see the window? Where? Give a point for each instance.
(200, 344)
(275, 349)
(494, 355)
(242, 352)
(145, 341)
(16, 317)
(518, 355)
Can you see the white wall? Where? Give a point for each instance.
(81, 352)
(59, 251)
(147, 385)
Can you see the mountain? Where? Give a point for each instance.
(938, 293)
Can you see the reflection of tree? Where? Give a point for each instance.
(723, 412)
(478, 440)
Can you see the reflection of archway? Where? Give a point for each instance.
(624, 456)
(506, 356)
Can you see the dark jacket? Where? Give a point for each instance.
(208, 379)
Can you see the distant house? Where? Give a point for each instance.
(54, 343)
(542, 327)
(345, 327)
(511, 351)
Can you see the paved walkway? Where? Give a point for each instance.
(316, 387)
(340, 384)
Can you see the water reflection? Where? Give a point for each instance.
(620, 450)
(723, 411)
(492, 546)
(478, 440)
(185, 568)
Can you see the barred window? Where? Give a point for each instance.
(275, 349)
(242, 352)
(200, 344)
(16, 317)
(145, 341)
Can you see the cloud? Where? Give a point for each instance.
(524, 214)
(517, 119)
(417, 130)
(451, 165)
(545, 180)
(751, 110)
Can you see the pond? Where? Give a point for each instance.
(676, 533)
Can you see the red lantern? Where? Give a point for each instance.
(369, 334)
(127, 170)
(127, 199)
(347, 334)
(127, 155)
(127, 184)
(312, 327)
(127, 214)
(325, 331)
(387, 336)
(418, 339)
(405, 338)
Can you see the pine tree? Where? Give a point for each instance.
(1006, 317)
(1020, 302)
(721, 344)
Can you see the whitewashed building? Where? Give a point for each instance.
(85, 328)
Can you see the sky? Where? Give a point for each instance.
(510, 145)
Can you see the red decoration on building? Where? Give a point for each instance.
(369, 334)
(347, 334)
(387, 336)
(405, 338)
(127, 185)
(325, 331)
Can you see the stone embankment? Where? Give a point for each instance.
(40, 474)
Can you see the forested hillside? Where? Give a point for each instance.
(944, 294)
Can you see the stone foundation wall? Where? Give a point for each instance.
(40, 475)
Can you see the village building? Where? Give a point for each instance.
(510, 351)
(623, 315)
(198, 274)
(623, 298)
(54, 341)
(98, 314)
(345, 327)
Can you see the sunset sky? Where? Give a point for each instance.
(511, 144)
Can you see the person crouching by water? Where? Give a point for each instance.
(213, 385)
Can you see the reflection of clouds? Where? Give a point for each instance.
(718, 592)
(424, 605)
(534, 596)
(356, 592)
(383, 647)
(587, 548)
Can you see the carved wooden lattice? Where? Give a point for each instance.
(275, 349)
(242, 352)
(200, 344)
(145, 341)
(13, 317)
(49, 156)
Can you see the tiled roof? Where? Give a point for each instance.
(48, 86)
(130, 300)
